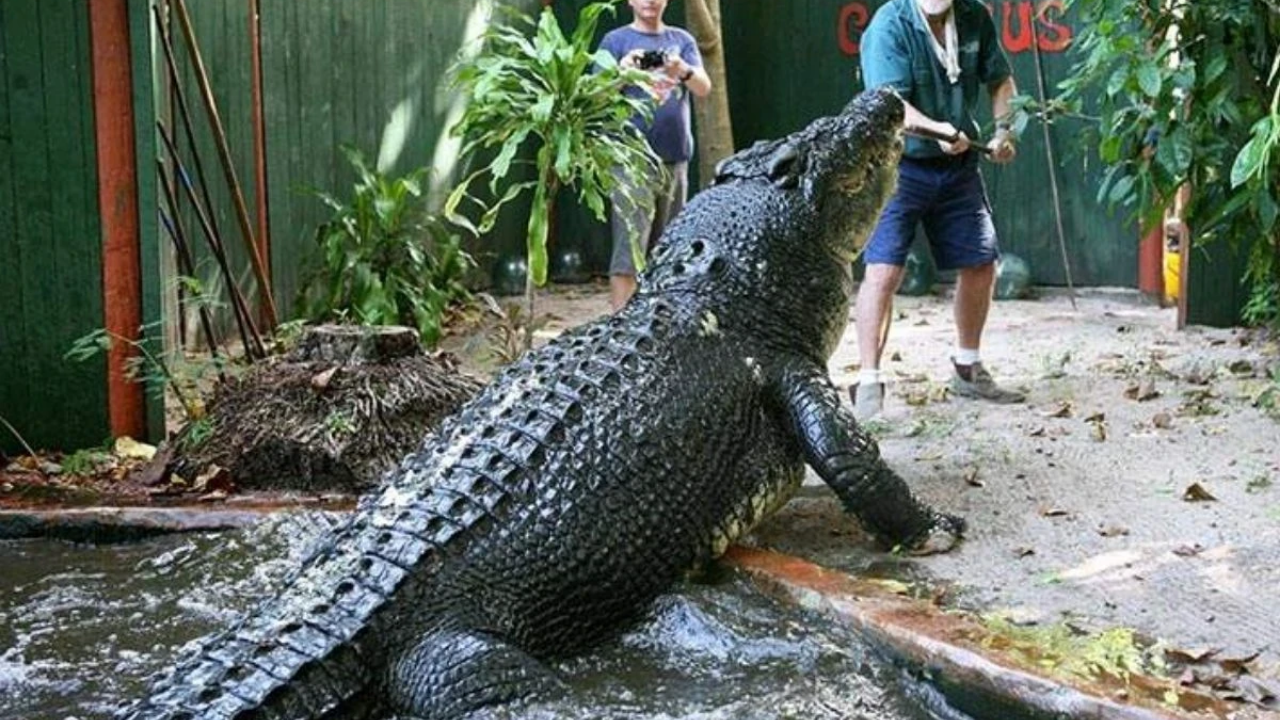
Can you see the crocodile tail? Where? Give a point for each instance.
(301, 655)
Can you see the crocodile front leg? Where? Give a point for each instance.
(848, 460)
(451, 674)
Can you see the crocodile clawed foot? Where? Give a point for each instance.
(943, 535)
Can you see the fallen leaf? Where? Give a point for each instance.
(897, 587)
(916, 398)
(1142, 391)
(1099, 431)
(214, 479)
(971, 478)
(1096, 417)
(1188, 550)
(1063, 410)
(1190, 655)
(1238, 664)
(320, 380)
(1241, 367)
(1052, 512)
(127, 447)
(1195, 492)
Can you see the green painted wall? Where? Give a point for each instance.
(791, 62)
(50, 240)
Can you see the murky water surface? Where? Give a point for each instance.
(83, 626)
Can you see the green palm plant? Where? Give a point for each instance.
(531, 85)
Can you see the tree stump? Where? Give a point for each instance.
(346, 344)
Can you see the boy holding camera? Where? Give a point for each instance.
(671, 56)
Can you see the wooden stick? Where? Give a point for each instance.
(184, 112)
(928, 134)
(249, 332)
(186, 263)
(224, 155)
(1053, 169)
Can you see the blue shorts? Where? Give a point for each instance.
(947, 197)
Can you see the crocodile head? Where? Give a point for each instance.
(850, 166)
(770, 247)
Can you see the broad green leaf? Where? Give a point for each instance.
(1252, 156)
(1122, 191)
(1149, 80)
(1267, 210)
(1117, 81)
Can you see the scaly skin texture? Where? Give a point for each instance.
(587, 477)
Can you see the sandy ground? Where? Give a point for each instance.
(1138, 486)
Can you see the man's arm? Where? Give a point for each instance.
(914, 118)
(694, 77)
(1002, 145)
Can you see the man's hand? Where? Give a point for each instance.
(959, 146)
(1002, 146)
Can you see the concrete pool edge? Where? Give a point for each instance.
(938, 645)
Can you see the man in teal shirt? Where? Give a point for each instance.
(938, 54)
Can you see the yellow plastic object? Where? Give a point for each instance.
(1172, 273)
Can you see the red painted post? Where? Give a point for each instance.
(1151, 263)
(259, 134)
(118, 206)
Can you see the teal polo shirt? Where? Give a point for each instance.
(896, 51)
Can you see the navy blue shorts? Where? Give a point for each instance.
(947, 197)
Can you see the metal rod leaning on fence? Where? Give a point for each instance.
(248, 330)
(224, 155)
(1053, 165)
(186, 263)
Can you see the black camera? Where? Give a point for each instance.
(650, 59)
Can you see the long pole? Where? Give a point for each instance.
(248, 331)
(224, 155)
(1053, 165)
(186, 263)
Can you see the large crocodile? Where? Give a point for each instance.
(588, 476)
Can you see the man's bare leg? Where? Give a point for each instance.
(973, 302)
(874, 313)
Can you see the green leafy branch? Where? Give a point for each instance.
(532, 89)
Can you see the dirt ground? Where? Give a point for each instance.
(1138, 487)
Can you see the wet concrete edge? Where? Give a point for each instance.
(934, 643)
(121, 524)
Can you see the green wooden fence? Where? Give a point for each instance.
(51, 292)
(371, 75)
